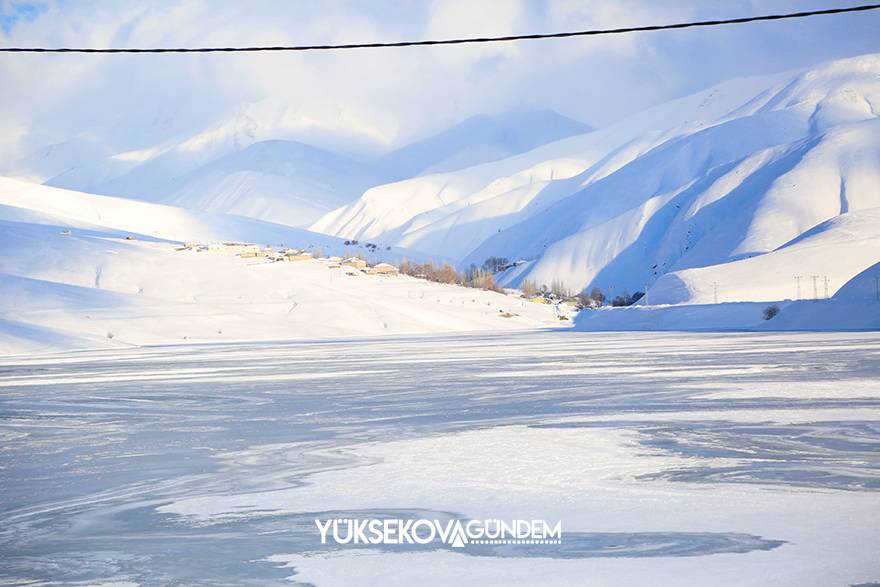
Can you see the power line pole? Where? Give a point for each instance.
(797, 279)
(815, 287)
(826, 287)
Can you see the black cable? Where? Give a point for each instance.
(660, 27)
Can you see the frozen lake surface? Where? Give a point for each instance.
(673, 459)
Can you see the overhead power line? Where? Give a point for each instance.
(463, 41)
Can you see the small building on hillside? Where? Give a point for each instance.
(233, 247)
(385, 269)
(355, 262)
(291, 255)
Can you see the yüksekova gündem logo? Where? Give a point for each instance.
(454, 533)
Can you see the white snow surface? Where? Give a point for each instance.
(752, 169)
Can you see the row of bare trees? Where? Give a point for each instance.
(445, 273)
(592, 299)
(483, 278)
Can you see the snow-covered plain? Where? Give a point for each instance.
(671, 459)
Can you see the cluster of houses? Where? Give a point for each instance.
(358, 264)
(553, 299)
(250, 250)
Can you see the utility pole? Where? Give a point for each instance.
(797, 279)
(815, 287)
(715, 290)
(826, 287)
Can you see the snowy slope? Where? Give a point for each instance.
(577, 161)
(185, 156)
(286, 182)
(480, 139)
(39, 204)
(838, 249)
(280, 181)
(735, 171)
(61, 290)
(167, 153)
(855, 306)
(81, 161)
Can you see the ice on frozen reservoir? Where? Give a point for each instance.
(730, 459)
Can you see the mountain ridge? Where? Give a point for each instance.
(734, 171)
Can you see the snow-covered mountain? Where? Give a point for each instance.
(480, 139)
(241, 166)
(258, 160)
(35, 204)
(286, 182)
(280, 181)
(751, 167)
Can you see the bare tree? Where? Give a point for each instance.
(529, 288)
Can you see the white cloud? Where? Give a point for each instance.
(354, 99)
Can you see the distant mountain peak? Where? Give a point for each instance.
(481, 138)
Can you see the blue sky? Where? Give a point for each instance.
(13, 12)
(372, 100)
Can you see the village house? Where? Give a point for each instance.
(384, 269)
(355, 262)
(273, 255)
(334, 262)
(233, 247)
(293, 255)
